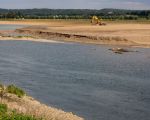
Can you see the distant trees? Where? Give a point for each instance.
(11, 14)
(74, 14)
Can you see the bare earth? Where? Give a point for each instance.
(126, 34)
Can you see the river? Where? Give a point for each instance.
(88, 80)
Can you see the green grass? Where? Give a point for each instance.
(16, 116)
(18, 36)
(15, 90)
(3, 109)
(6, 114)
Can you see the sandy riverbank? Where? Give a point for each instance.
(8, 35)
(126, 34)
(29, 106)
(111, 34)
(28, 39)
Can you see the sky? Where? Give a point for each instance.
(76, 4)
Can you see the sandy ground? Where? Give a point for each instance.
(4, 35)
(28, 105)
(28, 39)
(131, 34)
(46, 22)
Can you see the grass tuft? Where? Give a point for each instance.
(15, 90)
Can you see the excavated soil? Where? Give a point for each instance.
(111, 34)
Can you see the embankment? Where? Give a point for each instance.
(126, 35)
(78, 38)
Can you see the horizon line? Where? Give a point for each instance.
(71, 9)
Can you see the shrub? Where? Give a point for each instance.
(15, 90)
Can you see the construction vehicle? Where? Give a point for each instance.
(97, 21)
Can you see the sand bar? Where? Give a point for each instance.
(126, 34)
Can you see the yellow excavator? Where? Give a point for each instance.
(97, 21)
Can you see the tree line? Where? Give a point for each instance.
(74, 14)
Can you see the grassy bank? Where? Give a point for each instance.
(6, 114)
(16, 105)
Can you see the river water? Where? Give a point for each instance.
(10, 27)
(88, 80)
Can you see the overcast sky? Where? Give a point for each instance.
(76, 4)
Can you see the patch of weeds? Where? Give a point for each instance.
(3, 108)
(6, 114)
(16, 116)
(19, 37)
(15, 90)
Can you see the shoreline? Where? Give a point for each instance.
(41, 39)
(17, 100)
(28, 39)
(29, 106)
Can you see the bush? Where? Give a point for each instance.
(15, 90)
